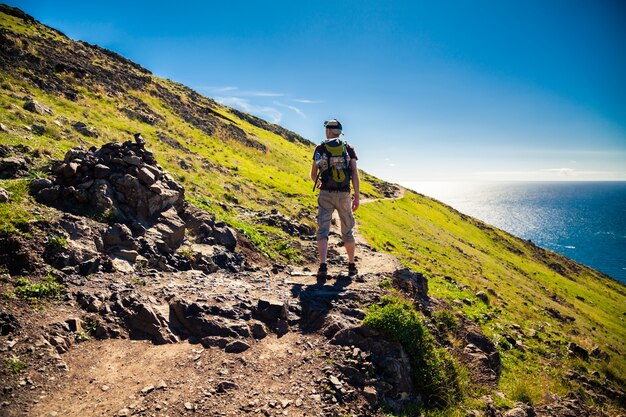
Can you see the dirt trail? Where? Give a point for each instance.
(277, 376)
(398, 193)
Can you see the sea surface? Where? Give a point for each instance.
(585, 221)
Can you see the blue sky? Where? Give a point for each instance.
(483, 90)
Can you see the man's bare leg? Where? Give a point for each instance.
(350, 251)
(322, 250)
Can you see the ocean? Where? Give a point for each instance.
(585, 221)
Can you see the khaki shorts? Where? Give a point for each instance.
(327, 203)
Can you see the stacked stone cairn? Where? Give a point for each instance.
(122, 185)
(121, 181)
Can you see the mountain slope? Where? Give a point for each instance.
(532, 303)
(519, 293)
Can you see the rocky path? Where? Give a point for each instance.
(294, 370)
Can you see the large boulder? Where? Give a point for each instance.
(414, 283)
(147, 320)
(118, 234)
(39, 184)
(36, 107)
(199, 321)
(225, 236)
(49, 195)
(169, 229)
(12, 167)
(85, 130)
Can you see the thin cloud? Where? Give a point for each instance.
(297, 111)
(240, 93)
(294, 109)
(214, 89)
(307, 101)
(261, 94)
(274, 115)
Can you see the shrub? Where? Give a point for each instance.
(49, 287)
(57, 243)
(90, 325)
(385, 283)
(446, 320)
(501, 342)
(284, 248)
(15, 364)
(527, 390)
(137, 281)
(434, 371)
(188, 253)
(106, 216)
(81, 336)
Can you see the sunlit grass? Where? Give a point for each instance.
(462, 256)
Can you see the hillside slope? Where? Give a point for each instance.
(558, 326)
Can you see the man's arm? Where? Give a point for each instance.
(356, 184)
(313, 173)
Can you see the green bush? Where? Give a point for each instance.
(15, 364)
(446, 320)
(49, 287)
(385, 283)
(501, 342)
(90, 324)
(434, 371)
(285, 248)
(527, 390)
(57, 243)
(81, 336)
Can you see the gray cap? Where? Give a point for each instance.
(333, 124)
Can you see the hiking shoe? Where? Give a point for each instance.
(322, 272)
(352, 271)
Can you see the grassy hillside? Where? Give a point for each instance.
(552, 299)
(236, 166)
(225, 161)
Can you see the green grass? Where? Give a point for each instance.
(14, 364)
(446, 320)
(14, 214)
(56, 243)
(461, 256)
(434, 372)
(49, 287)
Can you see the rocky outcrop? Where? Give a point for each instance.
(285, 223)
(85, 130)
(8, 323)
(140, 212)
(36, 107)
(412, 283)
(479, 353)
(13, 167)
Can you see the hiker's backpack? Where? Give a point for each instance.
(333, 163)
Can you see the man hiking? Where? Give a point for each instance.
(333, 168)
